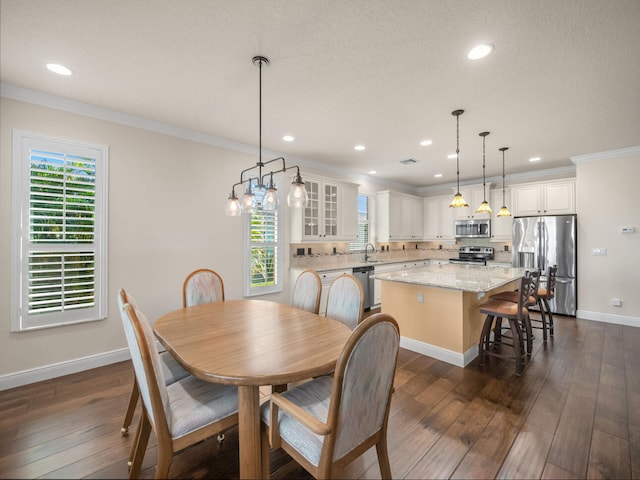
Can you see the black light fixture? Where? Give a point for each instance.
(458, 201)
(484, 206)
(504, 211)
(258, 196)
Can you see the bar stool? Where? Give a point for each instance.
(532, 301)
(517, 314)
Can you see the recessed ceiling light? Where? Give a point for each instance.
(424, 143)
(438, 175)
(372, 172)
(480, 51)
(288, 138)
(451, 156)
(59, 69)
(359, 147)
(534, 159)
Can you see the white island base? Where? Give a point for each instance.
(442, 323)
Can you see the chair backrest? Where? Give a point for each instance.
(146, 364)
(345, 301)
(525, 293)
(306, 292)
(551, 282)
(533, 287)
(202, 286)
(362, 386)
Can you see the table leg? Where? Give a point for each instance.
(249, 431)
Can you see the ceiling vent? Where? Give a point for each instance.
(408, 161)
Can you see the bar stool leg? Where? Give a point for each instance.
(546, 304)
(484, 338)
(518, 345)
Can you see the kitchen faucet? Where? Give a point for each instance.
(373, 249)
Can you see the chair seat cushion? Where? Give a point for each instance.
(171, 369)
(543, 292)
(195, 404)
(314, 397)
(501, 309)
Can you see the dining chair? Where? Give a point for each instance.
(345, 300)
(306, 292)
(202, 286)
(181, 414)
(171, 369)
(327, 422)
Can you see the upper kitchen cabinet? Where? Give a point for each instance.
(500, 226)
(399, 216)
(330, 215)
(474, 195)
(555, 197)
(438, 219)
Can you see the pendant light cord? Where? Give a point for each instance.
(458, 150)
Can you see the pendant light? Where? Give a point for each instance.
(259, 195)
(504, 211)
(458, 201)
(484, 206)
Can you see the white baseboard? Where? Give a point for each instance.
(25, 377)
(609, 318)
(439, 353)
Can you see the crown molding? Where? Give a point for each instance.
(621, 152)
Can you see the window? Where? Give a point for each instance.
(264, 254)
(58, 232)
(363, 224)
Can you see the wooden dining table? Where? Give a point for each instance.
(251, 343)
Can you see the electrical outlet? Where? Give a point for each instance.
(616, 302)
(421, 297)
(598, 252)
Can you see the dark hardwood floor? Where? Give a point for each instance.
(574, 413)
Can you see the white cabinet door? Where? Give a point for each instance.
(500, 226)
(331, 213)
(348, 213)
(438, 218)
(545, 198)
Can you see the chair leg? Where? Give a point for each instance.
(133, 400)
(546, 304)
(136, 441)
(484, 338)
(265, 451)
(543, 319)
(141, 446)
(518, 345)
(165, 456)
(383, 458)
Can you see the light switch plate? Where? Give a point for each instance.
(598, 252)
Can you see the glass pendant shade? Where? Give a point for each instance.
(458, 201)
(298, 196)
(270, 200)
(504, 212)
(484, 207)
(233, 208)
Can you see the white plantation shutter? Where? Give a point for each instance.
(264, 254)
(59, 232)
(362, 238)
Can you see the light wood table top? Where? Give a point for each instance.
(250, 343)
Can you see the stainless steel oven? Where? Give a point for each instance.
(473, 228)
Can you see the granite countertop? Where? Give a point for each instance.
(468, 278)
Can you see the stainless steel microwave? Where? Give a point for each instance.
(473, 228)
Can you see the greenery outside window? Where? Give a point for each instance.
(58, 232)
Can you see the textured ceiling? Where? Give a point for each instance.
(564, 78)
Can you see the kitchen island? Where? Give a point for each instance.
(436, 307)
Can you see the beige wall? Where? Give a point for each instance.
(166, 218)
(608, 198)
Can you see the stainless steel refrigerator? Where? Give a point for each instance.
(540, 242)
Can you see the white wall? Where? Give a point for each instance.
(608, 198)
(166, 218)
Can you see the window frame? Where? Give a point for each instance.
(21, 245)
(358, 246)
(249, 290)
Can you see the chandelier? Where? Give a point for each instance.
(261, 195)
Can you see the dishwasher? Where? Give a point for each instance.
(364, 275)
